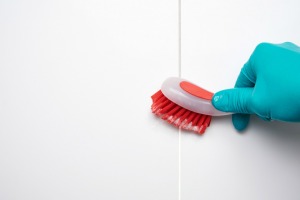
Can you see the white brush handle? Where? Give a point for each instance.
(187, 98)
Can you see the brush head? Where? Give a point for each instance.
(177, 115)
(184, 105)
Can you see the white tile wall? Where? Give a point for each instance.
(262, 163)
(75, 85)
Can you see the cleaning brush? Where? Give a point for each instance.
(185, 105)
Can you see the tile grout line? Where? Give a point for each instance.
(179, 74)
(179, 38)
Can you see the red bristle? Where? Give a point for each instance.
(171, 112)
(168, 107)
(201, 120)
(183, 118)
(202, 129)
(159, 107)
(180, 118)
(203, 126)
(159, 101)
(193, 125)
(194, 122)
(177, 115)
(207, 121)
(155, 108)
(157, 95)
(164, 103)
(189, 119)
(165, 111)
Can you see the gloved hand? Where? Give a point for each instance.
(268, 86)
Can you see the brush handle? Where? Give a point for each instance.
(190, 96)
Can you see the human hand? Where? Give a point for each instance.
(268, 86)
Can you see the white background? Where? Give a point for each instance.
(75, 84)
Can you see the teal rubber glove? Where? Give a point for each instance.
(268, 86)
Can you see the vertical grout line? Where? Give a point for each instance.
(179, 38)
(179, 165)
(179, 74)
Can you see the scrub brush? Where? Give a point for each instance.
(184, 105)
